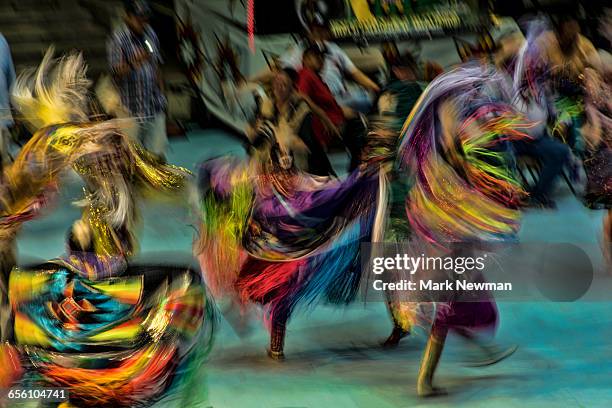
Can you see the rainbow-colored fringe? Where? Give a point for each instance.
(283, 240)
(224, 221)
(569, 112)
(112, 342)
(463, 188)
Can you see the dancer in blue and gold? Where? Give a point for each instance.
(114, 333)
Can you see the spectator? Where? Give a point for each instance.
(282, 131)
(134, 58)
(311, 85)
(7, 78)
(336, 68)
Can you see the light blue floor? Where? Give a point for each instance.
(333, 358)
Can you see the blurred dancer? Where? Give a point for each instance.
(567, 53)
(134, 57)
(114, 334)
(276, 235)
(30, 180)
(450, 158)
(301, 238)
(598, 136)
(394, 105)
(597, 133)
(577, 76)
(285, 119)
(63, 139)
(113, 168)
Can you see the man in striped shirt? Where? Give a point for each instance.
(134, 58)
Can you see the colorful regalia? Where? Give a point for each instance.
(278, 236)
(580, 81)
(113, 333)
(462, 192)
(282, 237)
(115, 341)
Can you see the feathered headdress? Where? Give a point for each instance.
(54, 93)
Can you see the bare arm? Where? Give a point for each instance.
(363, 80)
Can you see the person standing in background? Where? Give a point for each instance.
(7, 78)
(134, 58)
(310, 84)
(7, 255)
(337, 68)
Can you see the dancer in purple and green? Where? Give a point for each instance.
(281, 237)
(461, 191)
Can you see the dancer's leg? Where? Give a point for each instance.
(431, 358)
(492, 353)
(402, 322)
(277, 334)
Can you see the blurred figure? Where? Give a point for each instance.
(283, 129)
(7, 78)
(336, 68)
(7, 253)
(551, 154)
(536, 104)
(401, 92)
(394, 105)
(568, 53)
(597, 133)
(311, 85)
(65, 313)
(275, 235)
(134, 58)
